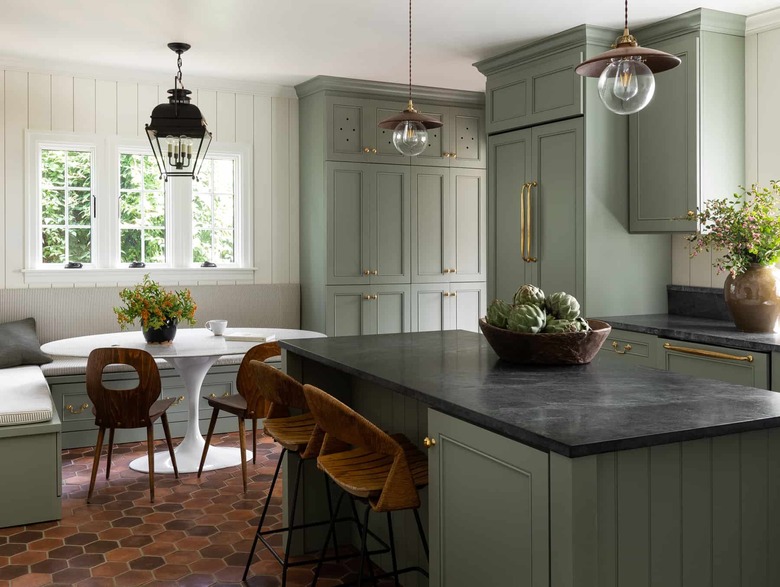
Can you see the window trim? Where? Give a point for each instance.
(106, 266)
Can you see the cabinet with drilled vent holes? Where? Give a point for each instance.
(374, 222)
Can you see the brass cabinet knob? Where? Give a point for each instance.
(375, 297)
(375, 272)
(454, 294)
(366, 150)
(373, 150)
(454, 155)
(73, 410)
(445, 271)
(366, 297)
(446, 294)
(453, 270)
(447, 154)
(367, 272)
(429, 442)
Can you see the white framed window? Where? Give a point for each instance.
(99, 201)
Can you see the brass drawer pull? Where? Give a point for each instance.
(213, 395)
(70, 408)
(711, 354)
(178, 400)
(627, 348)
(429, 442)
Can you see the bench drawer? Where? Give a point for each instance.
(634, 348)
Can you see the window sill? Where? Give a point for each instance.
(122, 276)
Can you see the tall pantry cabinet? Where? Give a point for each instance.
(558, 200)
(390, 243)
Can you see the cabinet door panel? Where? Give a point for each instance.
(466, 246)
(467, 139)
(430, 189)
(463, 462)
(430, 308)
(468, 305)
(510, 168)
(664, 146)
(345, 129)
(382, 138)
(558, 208)
(347, 311)
(680, 359)
(348, 224)
(390, 220)
(393, 309)
(438, 138)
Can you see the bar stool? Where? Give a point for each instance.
(294, 434)
(249, 403)
(382, 470)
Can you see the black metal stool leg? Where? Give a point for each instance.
(392, 548)
(332, 514)
(360, 527)
(331, 529)
(421, 531)
(262, 516)
(364, 549)
(291, 522)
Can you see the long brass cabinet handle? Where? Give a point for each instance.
(529, 221)
(710, 354)
(522, 221)
(626, 348)
(73, 410)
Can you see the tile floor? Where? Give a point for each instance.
(198, 532)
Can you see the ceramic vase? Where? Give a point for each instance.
(161, 335)
(753, 298)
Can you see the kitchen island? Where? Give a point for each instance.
(589, 476)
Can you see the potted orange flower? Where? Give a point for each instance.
(158, 310)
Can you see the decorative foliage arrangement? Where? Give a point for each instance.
(745, 227)
(154, 306)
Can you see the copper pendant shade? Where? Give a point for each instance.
(410, 114)
(626, 47)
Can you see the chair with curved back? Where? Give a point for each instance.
(138, 407)
(249, 403)
(385, 471)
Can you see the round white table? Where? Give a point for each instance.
(191, 354)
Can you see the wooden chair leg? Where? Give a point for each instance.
(96, 461)
(150, 450)
(254, 441)
(212, 424)
(167, 431)
(242, 444)
(110, 451)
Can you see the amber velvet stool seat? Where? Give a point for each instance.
(127, 408)
(386, 471)
(249, 403)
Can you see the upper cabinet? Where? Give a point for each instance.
(459, 143)
(687, 145)
(533, 92)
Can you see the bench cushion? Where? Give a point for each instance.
(24, 396)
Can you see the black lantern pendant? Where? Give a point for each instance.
(177, 132)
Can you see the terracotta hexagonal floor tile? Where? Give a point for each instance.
(32, 580)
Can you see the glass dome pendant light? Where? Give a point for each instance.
(625, 72)
(177, 131)
(410, 128)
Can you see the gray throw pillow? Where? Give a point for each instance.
(19, 344)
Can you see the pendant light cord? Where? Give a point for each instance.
(625, 26)
(410, 51)
(178, 75)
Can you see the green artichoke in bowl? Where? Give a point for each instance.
(563, 306)
(529, 294)
(498, 313)
(527, 318)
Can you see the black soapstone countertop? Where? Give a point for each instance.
(571, 410)
(701, 330)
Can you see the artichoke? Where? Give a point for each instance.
(526, 318)
(554, 325)
(584, 326)
(498, 313)
(529, 294)
(563, 306)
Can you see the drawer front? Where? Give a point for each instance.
(714, 362)
(634, 348)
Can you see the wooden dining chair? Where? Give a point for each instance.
(249, 403)
(385, 471)
(138, 407)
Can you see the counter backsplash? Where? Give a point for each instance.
(697, 302)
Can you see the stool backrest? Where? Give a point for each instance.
(341, 423)
(122, 408)
(246, 382)
(279, 389)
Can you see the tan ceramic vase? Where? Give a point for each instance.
(753, 298)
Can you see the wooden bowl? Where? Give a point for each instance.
(566, 348)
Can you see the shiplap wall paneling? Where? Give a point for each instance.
(84, 105)
(263, 218)
(105, 107)
(16, 113)
(2, 176)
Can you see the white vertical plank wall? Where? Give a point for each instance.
(62, 102)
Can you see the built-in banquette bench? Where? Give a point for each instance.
(30, 487)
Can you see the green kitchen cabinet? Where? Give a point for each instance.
(448, 225)
(378, 309)
(570, 177)
(448, 306)
(369, 219)
(631, 348)
(356, 197)
(736, 366)
(687, 145)
(481, 480)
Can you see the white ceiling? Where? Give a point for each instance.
(288, 41)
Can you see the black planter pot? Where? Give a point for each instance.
(159, 335)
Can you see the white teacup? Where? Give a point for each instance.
(217, 326)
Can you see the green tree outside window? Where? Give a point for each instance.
(213, 212)
(141, 209)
